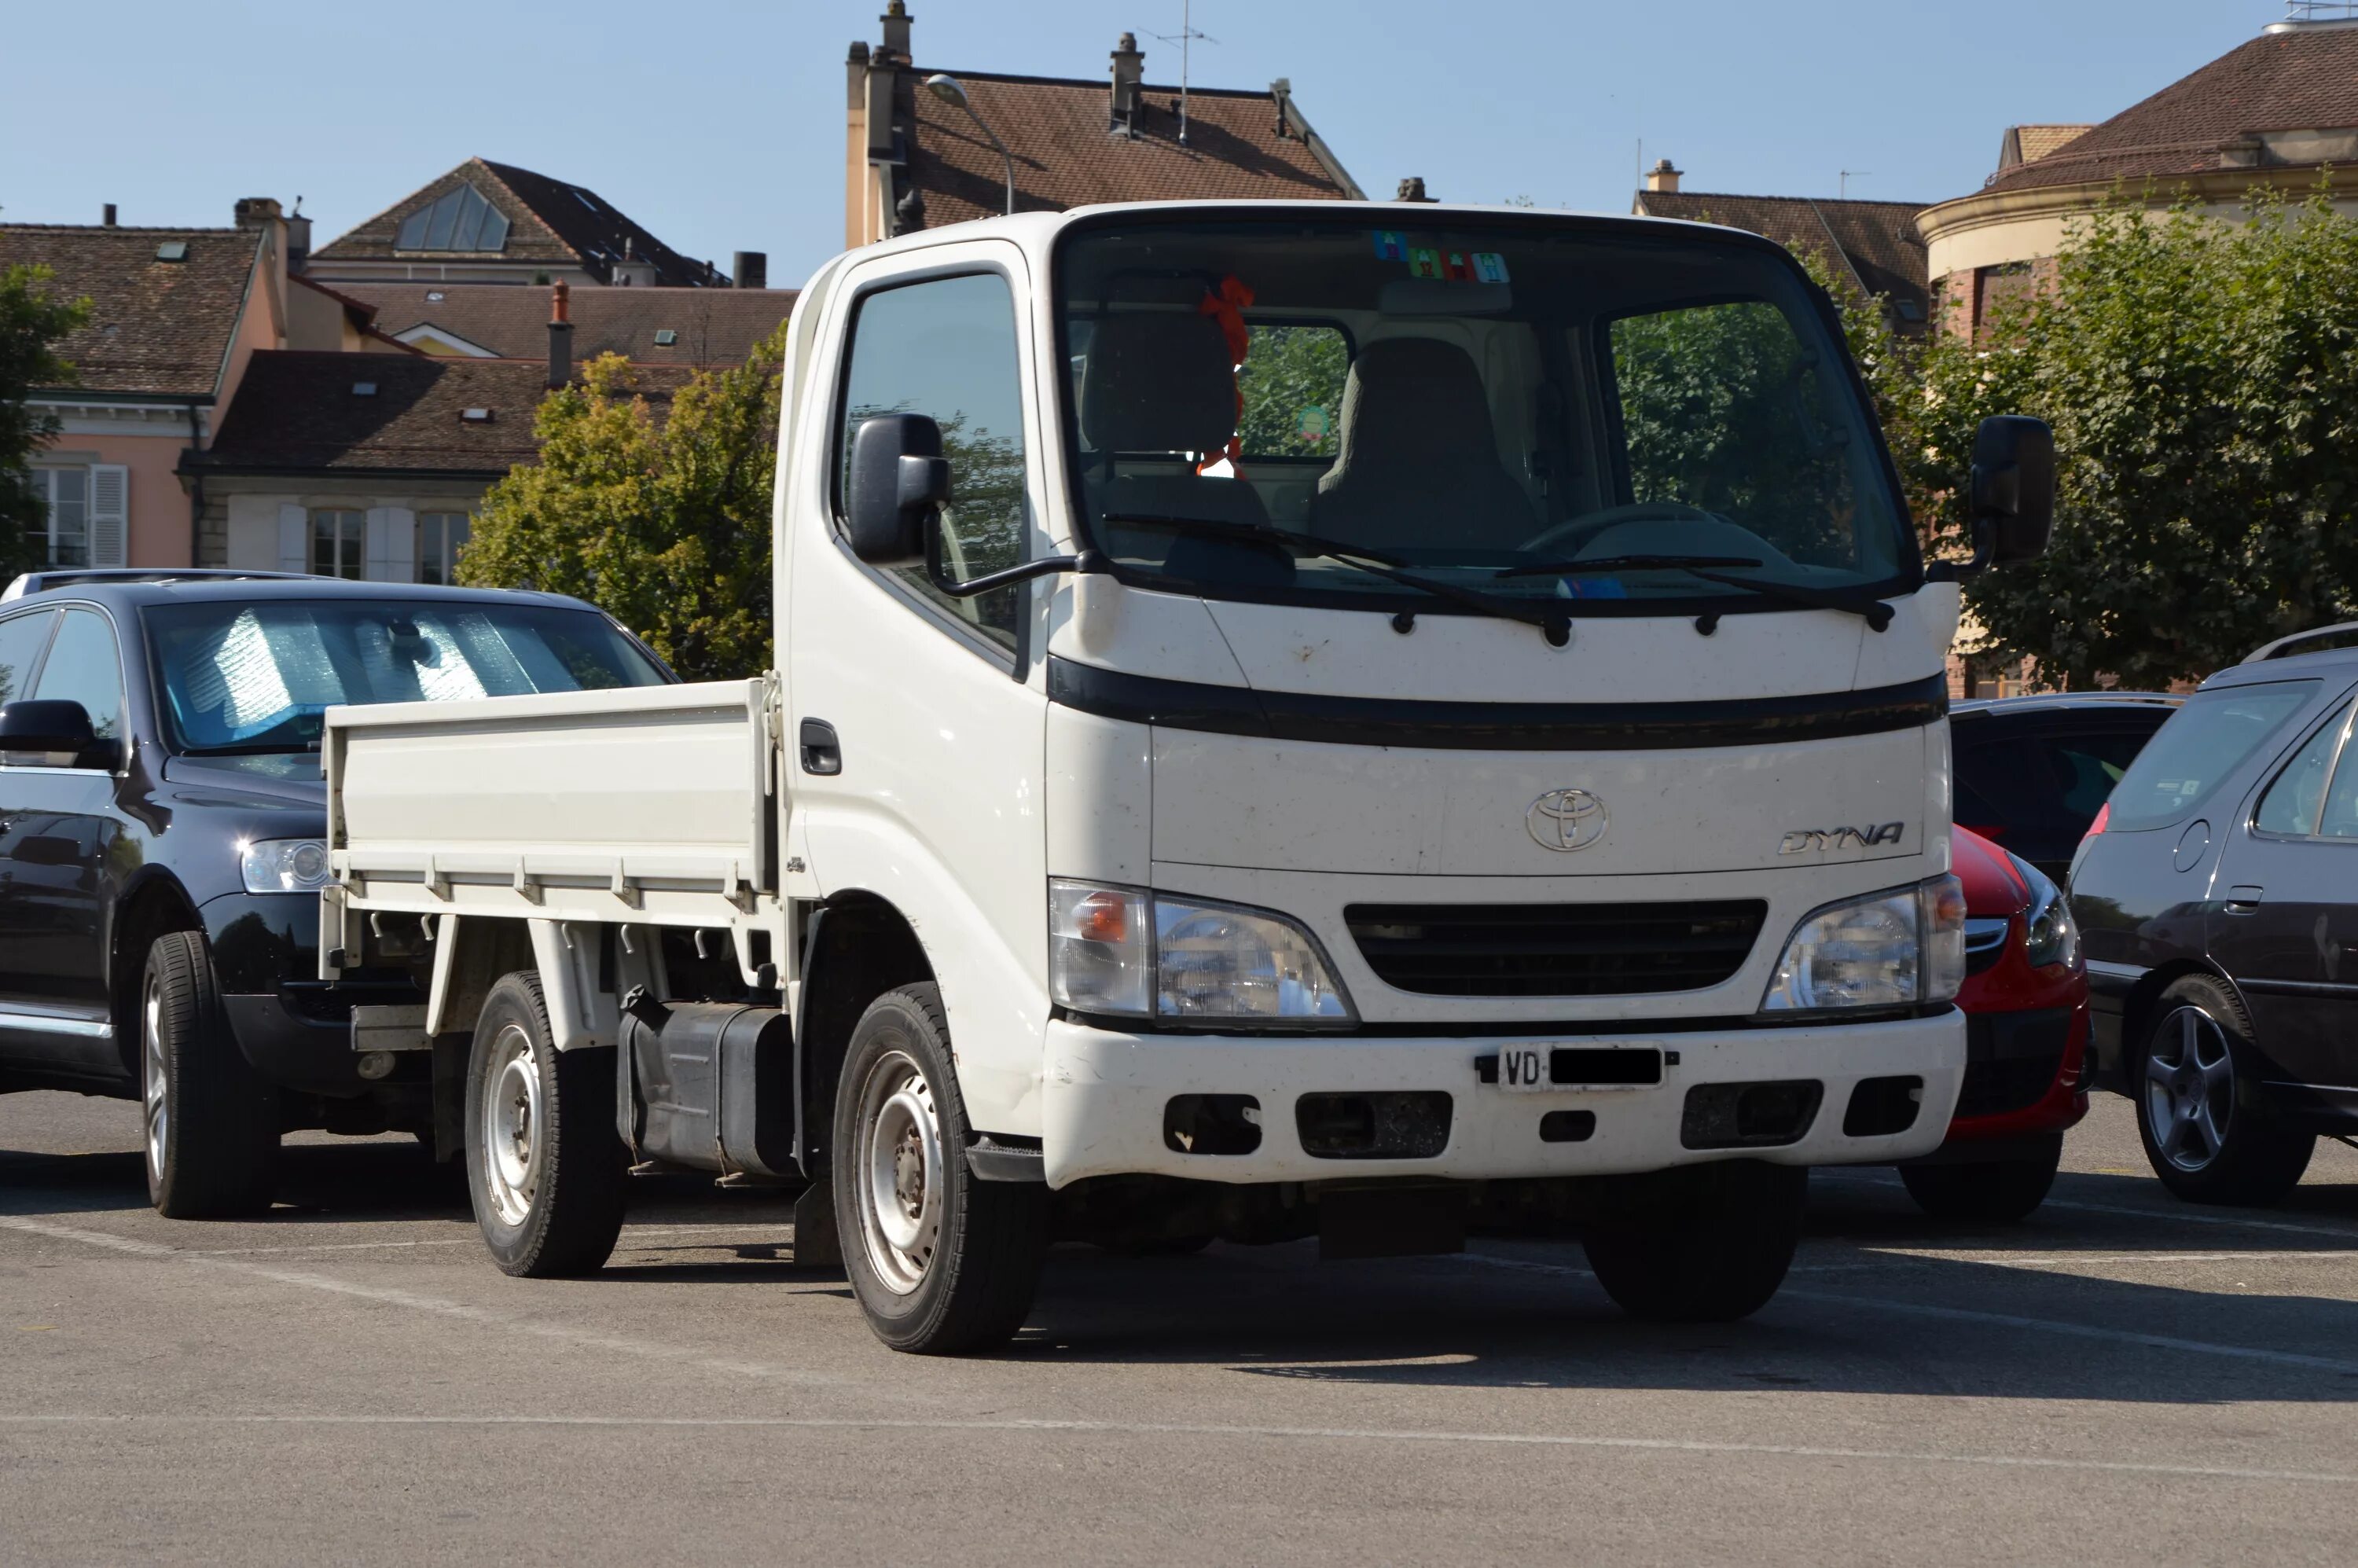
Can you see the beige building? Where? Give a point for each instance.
(2276, 112)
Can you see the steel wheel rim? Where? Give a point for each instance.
(898, 1172)
(512, 1126)
(2190, 1088)
(154, 1106)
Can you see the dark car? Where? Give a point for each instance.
(2026, 1005)
(2217, 895)
(161, 813)
(2033, 771)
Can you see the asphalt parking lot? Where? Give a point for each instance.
(2122, 1379)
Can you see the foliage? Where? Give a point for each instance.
(33, 320)
(665, 524)
(1289, 372)
(2201, 377)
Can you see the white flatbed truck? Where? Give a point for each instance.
(1290, 719)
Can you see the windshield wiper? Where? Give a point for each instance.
(1554, 625)
(1626, 564)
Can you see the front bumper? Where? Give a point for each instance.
(1105, 1095)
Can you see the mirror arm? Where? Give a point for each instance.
(1984, 554)
(1088, 562)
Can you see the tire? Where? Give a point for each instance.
(941, 1262)
(2204, 1132)
(1701, 1243)
(211, 1121)
(546, 1170)
(1994, 1190)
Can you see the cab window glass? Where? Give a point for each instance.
(82, 667)
(945, 349)
(2203, 744)
(21, 637)
(2290, 806)
(1290, 390)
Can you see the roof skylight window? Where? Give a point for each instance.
(172, 250)
(666, 337)
(459, 220)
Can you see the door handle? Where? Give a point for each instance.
(822, 753)
(2243, 898)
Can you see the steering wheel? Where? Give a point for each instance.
(1578, 530)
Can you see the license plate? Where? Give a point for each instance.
(1530, 1069)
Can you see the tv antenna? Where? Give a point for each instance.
(1186, 35)
(1850, 174)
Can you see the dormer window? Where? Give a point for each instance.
(459, 220)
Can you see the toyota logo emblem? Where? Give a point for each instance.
(1566, 819)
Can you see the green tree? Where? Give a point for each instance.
(664, 524)
(33, 321)
(2202, 380)
(1293, 381)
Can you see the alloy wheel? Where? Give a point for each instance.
(152, 1079)
(2190, 1088)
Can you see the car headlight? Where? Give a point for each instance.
(1123, 950)
(1885, 949)
(284, 865)
(2053, 936)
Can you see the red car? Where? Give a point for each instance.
(2025, 1001)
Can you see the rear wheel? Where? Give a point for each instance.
(2204, 1133)
(211, 1121)
(1995, 1190)
(941, 1262)
(1701, 1243)
(545, 1169)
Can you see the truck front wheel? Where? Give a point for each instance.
(545, 1167)
(941, 1262)
(1701, 1243)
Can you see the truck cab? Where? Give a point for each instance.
(1289, 719)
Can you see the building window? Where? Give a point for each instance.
(340, 544)
(439, 536)
(460, 220)
(64, 495)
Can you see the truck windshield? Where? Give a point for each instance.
(1602, 420)
(256, 676)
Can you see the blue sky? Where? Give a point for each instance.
(719, 124)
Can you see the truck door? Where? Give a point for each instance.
(2283, 917)
(915, 741)
(61, 870)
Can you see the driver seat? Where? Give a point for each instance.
(1418, 463)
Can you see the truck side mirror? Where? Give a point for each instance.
(2013, 489)
(899, 482)
(41, 731)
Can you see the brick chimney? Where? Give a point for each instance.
(1128, 70)
(106, 217)
(1664, 177)
(1412, 189)
(560, 334)
(252, 211)
(750, 269)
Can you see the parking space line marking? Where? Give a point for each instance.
(2043, 1260)
(1185, 1429)
(1994, 1319)
(385, 1295)
(784, 1231)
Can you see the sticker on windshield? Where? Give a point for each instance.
(1312, 426)
(1423, 263)
(1489, 266)
(1391, 245)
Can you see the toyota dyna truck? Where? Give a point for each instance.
(1289, 720)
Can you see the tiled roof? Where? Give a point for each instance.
(1066, 156)
(713, 326)
(297, 412)
(1874, 240)
(549, 221)
(159, 326)
(2305, 79)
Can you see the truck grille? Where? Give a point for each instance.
(1555, 949)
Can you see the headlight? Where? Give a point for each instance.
(2053, 938)
(1887, 949)
(1120, 950)
(284, 865)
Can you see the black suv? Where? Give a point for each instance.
(161, 808)
(2033, 771)
(2217, 897)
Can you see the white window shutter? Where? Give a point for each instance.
(398, 549)
(294, 538)
(110, 514)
